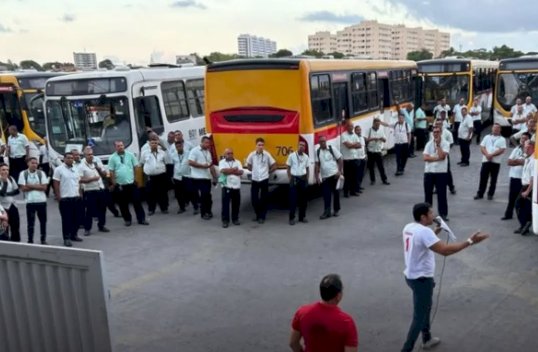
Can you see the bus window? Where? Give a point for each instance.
(11, 110)
(195, 96)
(175, 101)
(320, 91)
(36, 115)
(148, 114)
(373, 99)
(359, 93)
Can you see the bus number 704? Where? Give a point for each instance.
(283, 151)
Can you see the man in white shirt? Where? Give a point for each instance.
(18, 150)
(421, 125)
(376, 140)
(516, 162)
(446, 135)
(350, 153)
(261, 164)
(492, 148)
(419, 244)
(34, 183)
(436, 171)
(441, 106)
(91, 180)
(457, 117)
(362, 158)
(465, 135)
(230, 178)
(524, 201)
(529, 107)
(66, 182)
(329, 168)
(180, 178)
(154, 165)
(298, 167)
(476, 114)
(9, 189)
(202, 172)
(402, 139)
(409, 115)
(519, 118)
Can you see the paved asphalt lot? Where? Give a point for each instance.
(184, 284)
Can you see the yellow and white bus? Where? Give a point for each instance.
(21, 102)
(454, 79)
(98, 108)
(290, 100)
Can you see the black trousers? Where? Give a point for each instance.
(489, 169)
(422, 137)
(16, 166)
(181, 192)
(94, 207)
(14, 222)
(422, 304)
(465, 150)
(170, 175)
(402, 153)
(351, 171)
(523, 209)
(455, 132)
(360, 172)
(477, 130)
(157, 188)
(70, 213)
(298, 196)
(126, 194)
(232, 196)
(450, 179)
(328, 187)
(515, 190)
(439, 181)
(411, 145)
(194, 197)
(203, 189)
(110, 200)
(41, 210)
(259, 193)
(376, 159)
(45, 167)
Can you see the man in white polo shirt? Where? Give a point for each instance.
(202, 172)
(516, 162)
(519, 118)
(402, 138)
(419, 244)
(436, 171)
(465, 136)
(154, 163)
(298, 176)
(524, 201)
(476, 114)
(18, 149)
(350, 154)
(362, 158)
(34, 183)
(91, 180)
(66, 182)
(376, 140)
(329, 168)
(231, 171)
(260, 163)
(492, 148)
(529, 107)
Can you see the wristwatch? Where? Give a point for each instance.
(470, 241)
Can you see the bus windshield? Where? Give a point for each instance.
(453, 88)
(516, 85)
(94, 122)
(36, 115)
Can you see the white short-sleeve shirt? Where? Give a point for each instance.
(518, 116)
(181, 165)
(437, 110)
(478, 110)
(517, 154)
(87, 170)
(328, 162)
(400, 133)
(528, 108)
(376, 146)
(69, 181)
(457, 112)
(298, 164)
(492, 144)
(261, 163)
(419, 258)
(17, 145)
(528, 171)
(232, 181)
(200, 156)
(34, 179)
(465, 125)
(349, 153)
(440, 166)
(11, 186)
(446, 135)
(154, 163)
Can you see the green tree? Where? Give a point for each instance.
(218, 56)
(282, 53)
(336, 55)
(30, 64)
(49, 66)
(504, 52)
(315, 53)
(419, 55)
(450, 52)
(106, 63)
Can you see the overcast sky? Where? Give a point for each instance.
(133, 31)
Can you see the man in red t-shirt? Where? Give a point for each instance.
(323, 326)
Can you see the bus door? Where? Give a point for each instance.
(341, 101)
(10, 109)
(147, 109)
(418, 93)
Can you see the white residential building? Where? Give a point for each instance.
(253, 46)
(85, 61)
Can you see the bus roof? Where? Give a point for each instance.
(528, 62)
(311, 64)
(447, 65)
(32, 74)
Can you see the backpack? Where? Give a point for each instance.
(330, 150)
(39, 176)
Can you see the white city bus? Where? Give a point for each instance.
(98, 108)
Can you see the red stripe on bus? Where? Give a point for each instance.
(251, 121)
(329, 133)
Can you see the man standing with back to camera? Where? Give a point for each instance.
(419, 244)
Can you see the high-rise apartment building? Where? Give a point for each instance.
(253, 46)
(380, 41)
(85, 61)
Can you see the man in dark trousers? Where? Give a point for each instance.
(323, 326)
(329, 168)
(465, 135)
(203, 174)
(420, 243)
(376, 140)
(298, 176)
(436, 171)
(516, 162)
(350, 154)
(492, 148)
(18, 150)
(261, 164)
(231, 171)
(523, 201)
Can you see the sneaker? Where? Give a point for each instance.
(490, 197)
(145, 222)
(431, 343)
(87, 233)
(478, 196)
(104, 229)
(68, 243)
(325, 216)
